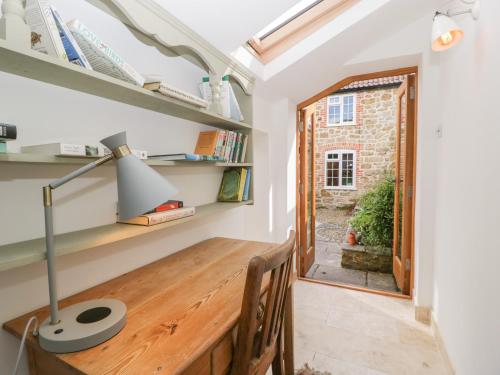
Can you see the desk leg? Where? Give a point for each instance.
(289, 366)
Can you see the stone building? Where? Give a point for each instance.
(355, 140)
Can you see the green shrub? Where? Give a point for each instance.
(374, 218)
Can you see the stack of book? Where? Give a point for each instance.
(7, 133)
(235, 185)
(70, 149)
(74, 42)
(226, 145)
(168, 211)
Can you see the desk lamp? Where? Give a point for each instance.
(89, 323)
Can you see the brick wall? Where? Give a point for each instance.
(372, 138)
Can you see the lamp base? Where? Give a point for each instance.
(83, 325)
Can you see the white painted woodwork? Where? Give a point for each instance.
(13, 28)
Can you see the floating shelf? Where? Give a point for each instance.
(26, 252)
(25, 158)
(44, 68)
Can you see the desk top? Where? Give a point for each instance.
(178, 307)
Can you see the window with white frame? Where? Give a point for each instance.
(340, 169)
(341, 109)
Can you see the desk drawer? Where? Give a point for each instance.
(216, 361)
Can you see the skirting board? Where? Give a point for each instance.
(442, 347)
(423, 314)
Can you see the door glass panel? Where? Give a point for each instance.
(401, 166)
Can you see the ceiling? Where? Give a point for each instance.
(227, 24)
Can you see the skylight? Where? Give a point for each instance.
(300, 21)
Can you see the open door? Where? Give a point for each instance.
(306, 132)
(404, 178)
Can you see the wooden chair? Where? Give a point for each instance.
(259, 340)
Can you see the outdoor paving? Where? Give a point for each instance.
(331, 226)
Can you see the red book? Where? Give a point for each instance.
(170, 205)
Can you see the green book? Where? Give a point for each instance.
(232, 185)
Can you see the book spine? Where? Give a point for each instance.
(44, 31)
(246, 191)
(101, 56)
(163, 217)
(244, 150)
(8, 132)
(220, 140)
(73, 51)
(236, 156)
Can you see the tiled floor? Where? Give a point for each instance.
(347, 332)
(327, 266)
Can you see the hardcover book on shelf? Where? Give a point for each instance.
(175, 93)
(232, 185)
(73, 51)
(207, 141)
(45, 36)
(160, 217)
(246, 190)
(101, 56)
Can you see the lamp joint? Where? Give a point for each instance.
(47, 196)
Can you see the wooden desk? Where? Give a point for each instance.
(181, 313)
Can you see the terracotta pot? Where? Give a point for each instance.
(351, 239)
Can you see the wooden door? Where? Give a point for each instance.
(306, 188)
(404, 183)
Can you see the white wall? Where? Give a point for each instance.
(45, 113)
(467, 279)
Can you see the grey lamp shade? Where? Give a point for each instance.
(140, 188)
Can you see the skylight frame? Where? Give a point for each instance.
(296, 28)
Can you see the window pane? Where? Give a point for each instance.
(334, 114)
(348, 104)
(334, 99)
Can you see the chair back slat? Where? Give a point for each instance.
(259, 341)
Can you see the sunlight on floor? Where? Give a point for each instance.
(350, 332)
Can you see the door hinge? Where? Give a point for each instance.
(301, 126)
(410, 191)
(301, 188)
(412, 92)
(408, 264)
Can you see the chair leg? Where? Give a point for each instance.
(278, 361)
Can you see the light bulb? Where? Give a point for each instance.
(446, 38)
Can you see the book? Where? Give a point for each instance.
(189, 157)
(234, 107)
(167, 206)
(205, 89)
(45, 36)
(73, 51)
(243, 153)
(206, 143)
(225, 97)
(176, 93)
(160, 217)
(8, 132)
(232, 185)
(56, 149)
(246, 190)
(101, 56)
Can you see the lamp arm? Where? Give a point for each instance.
(86, 168)
(49, 230)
